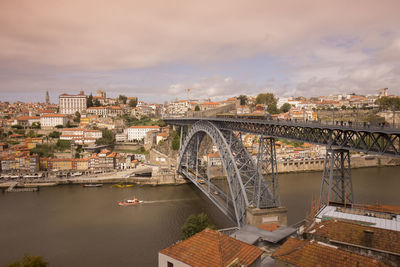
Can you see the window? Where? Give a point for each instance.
(169, 264)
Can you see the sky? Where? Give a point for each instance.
(157, 49)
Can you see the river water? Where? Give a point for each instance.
(76, 226)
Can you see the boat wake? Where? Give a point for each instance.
(167, 200)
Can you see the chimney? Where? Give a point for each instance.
(368, 237)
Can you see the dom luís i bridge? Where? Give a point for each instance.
(249, 188)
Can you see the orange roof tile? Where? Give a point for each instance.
(353, 233)
(211, 248)
(269, 227)
(53, 115)
(311, 253)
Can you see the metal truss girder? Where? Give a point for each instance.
(336, 183)
(188, 160)
(378, 141)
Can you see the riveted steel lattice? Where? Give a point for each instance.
(268, 169)
(241, 171)
(336, 180)
(376, 140)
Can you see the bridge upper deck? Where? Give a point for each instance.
(363, 137)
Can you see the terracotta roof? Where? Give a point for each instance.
(353, 233)
(53, 115)
(211, 103)
(72, 129)
(211, 248)
(269, 227)
(24, 118)
(311, 253)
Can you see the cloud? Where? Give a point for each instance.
(318, 45)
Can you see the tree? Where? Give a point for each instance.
(243, 100)
(36, 125)
(388, 103)
(17, 126)
(196, 108)
(195, 224)
(89, 101)
(269, 100)
(343, 107)
(77, 117)
(59, 126)
(29, 261)
(31, 134)
(68, 125)
(122, 98)
(107, 138)
(132, 103)
(63, 145)
(55, 134)
(175, 140)
(286, 107)
(96, 103)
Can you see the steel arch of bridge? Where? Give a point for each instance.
(246, 183)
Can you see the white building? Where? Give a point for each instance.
(52, 120)
(139, 132)
(80, 136)
(70, 104)
(178, 108)
(109, 111)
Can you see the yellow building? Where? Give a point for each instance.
(32, 142)
(60, 164)
(81, 164)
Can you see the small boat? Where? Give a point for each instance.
(92, 185)
(130, 202)
(122, 185)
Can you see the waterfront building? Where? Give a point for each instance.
(52, 120)
(59, 164)
(80, 136)
(80, 164)
(210, 248)
(70, 104)
(138, 133)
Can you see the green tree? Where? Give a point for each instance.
(269, 100)
(36, 125)
(63, 145)
(29, 261)
(31, 134)
(89, 101)
(59, 126)
(195, 224)
(243, 100)
(343, 107)
(108, 138)
(196, 108)
(55, 134)
(132, 103)
(96, 103)
(77, 117)
(286, 107)
(175, 140)
(17, 126)
(388, 103)
(122, 98)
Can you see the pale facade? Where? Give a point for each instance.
(52, 120)
(70, 104)
(139, 132)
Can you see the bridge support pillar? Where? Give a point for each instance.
(256, 216)
(337, 186)
(266, 163)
